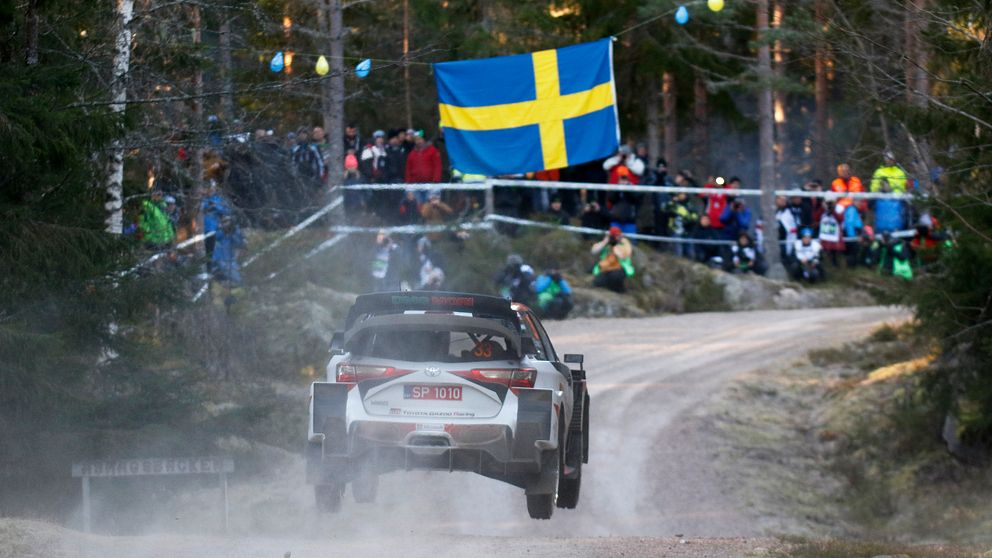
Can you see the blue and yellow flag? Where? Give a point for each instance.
(529, 112)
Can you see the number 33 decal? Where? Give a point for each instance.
(484, 349)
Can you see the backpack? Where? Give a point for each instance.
(306, 160)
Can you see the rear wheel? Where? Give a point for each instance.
(569, 485)
(328, 497)
(541, 506)
(365, 488)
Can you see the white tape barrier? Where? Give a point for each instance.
(294, 231)
(619, 188)
(422, 186)
(642, 189)
(649, 237)
(588, 230)
(688, 190)
(320, 248)
(344, 231)
(412, 229)
(159, 255)
(854, 195)
(291, 232)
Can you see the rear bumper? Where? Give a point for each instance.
(346, 442)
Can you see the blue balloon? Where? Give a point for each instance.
(681, 15)
(363, 68)
(277, 64)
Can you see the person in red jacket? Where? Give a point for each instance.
(423, 164)
(716, 203)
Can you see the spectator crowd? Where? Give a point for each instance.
(273, 180)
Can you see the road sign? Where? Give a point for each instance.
(157, 466)
(113, 468)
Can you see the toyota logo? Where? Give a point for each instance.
(432, 371)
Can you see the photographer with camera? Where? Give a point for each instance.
(614, 265)
(736, 218)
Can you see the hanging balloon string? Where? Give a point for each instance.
(257, 88)
(680, 12)
(297, 54)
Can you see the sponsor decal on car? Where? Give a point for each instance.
(436, 414)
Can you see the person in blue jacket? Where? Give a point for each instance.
(554, 295)
(215, 208)
(736, 219)
(852, 226)
(225, 257)
(890, 215)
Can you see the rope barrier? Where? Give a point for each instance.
(294, 231)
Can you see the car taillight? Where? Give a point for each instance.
(509, 377)
(348, 372)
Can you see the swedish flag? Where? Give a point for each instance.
(545, 110)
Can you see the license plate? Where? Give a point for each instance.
(433, 393)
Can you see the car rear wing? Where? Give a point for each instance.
(420, 322)
(482, 306)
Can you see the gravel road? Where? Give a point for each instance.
(648, 486)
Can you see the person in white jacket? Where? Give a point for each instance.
(627, 158)
(786, 228)
(807, 265)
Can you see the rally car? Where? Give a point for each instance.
(448, 381)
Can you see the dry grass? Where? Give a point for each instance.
(829, 548)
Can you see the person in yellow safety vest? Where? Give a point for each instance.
(890, 171)
(459, 176)
(614, 265)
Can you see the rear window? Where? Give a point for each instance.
(434, 346)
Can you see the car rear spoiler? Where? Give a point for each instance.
(419, 322)
(482, 306)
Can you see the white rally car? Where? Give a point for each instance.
(448, 381)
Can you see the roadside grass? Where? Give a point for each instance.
(847, 445)
(885, 289)
(830, 548)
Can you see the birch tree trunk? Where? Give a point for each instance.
(31, 23)
(766, 140)
(821, 150)
(653, 117)
(701, 124)
(670, 118)
(124, 12)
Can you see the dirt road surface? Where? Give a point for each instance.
(648, 487)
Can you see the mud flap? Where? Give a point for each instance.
(329, 407)
(330, 402)
(547, 481)
(534, 412)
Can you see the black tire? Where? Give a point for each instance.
(541, 506)
(568, 488)
(585, 430)
(365, 488)
(328, 497)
